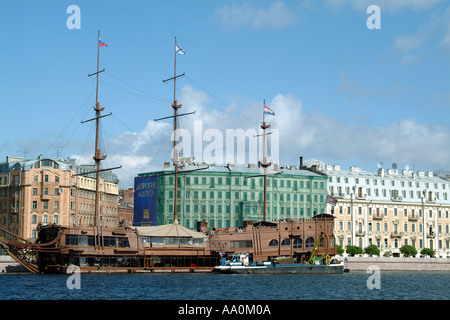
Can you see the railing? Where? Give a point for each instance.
(396, 234)
(8, 235)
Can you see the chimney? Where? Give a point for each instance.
(301, 163)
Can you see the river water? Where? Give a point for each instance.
(211, 286)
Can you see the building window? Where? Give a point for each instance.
(309, 242)
(34, 219)
(273, 243)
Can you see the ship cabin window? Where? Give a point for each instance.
(119, 242)
(161, 241)
(273, 243)
(309, 242)
(298, 243)
(79, 240)
(86, 240)
(241, 244)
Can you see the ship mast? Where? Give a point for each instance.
(175, 107)
(98, 156)
(264, 162)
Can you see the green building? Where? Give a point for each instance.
(225, 196)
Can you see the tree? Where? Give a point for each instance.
(427, 252)
(353, 250)
(372, 250)
(408, 251)
(340, 250)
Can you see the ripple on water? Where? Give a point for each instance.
(347, 286)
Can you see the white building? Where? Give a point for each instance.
(390, 208)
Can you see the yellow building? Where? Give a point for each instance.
(390, 208)
(45, 191)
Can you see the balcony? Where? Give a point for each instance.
(360, 233)
(396, 234)
(377, 217)
(413, 218)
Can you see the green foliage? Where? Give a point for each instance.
(373, 250)
(427, 252)
(408, 251)
(340, 250)
(387, 254)
(353, 250)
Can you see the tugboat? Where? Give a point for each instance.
(240, 264)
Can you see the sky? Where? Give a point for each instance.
(342, 93)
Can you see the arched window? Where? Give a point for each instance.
(273, 243)
(309, 242)
(286, 242)
(298, 243)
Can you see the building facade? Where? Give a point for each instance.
(45, 191)
(126, 207)
(390, 208)
(226, 196)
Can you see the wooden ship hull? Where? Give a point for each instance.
(168, 248)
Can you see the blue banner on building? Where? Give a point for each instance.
(145, 201)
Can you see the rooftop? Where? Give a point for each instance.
(250, 169)
(14, 163)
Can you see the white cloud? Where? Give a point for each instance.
(405, 43)
(311, 135)
(136, 152)
(244, 15)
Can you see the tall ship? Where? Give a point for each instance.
(170, 247)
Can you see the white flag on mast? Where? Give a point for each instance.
(179, 50)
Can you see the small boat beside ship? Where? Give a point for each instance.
(237, 266)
